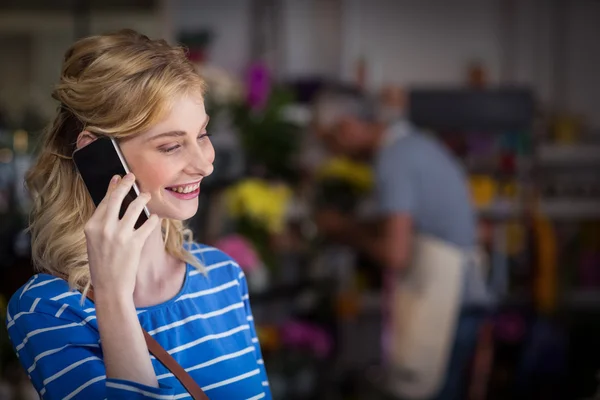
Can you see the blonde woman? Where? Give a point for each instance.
(192, 299)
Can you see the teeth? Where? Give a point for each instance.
(185, 189)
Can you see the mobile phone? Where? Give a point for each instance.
(97, 163)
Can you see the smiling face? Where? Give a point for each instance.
(171, 159)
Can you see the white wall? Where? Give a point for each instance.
(420, 42)
(229, 20)
(424, 42)
(416, 42)
(311, 38)
(583, 67)
(430, 42)
(308, 41)
(47, 38)
(538, 55)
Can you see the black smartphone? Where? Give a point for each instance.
(97, 163)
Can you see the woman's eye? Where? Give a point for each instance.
(169, 149)
(172, 148)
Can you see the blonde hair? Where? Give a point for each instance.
(117, 85)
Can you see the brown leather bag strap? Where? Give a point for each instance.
(170, 363)
(176, 369)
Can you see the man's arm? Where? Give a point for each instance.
(389, 244)
(396, 200)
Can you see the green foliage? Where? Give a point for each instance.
(269, 140)
(260, 238)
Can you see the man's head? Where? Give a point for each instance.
(346, 122)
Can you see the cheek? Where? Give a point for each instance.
(153, 178)
(150, 176)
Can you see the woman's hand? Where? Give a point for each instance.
(114, 249)
(114, 246)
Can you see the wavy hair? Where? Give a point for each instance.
(118, 85)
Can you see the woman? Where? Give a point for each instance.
(191, 298)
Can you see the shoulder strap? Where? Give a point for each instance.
(170, 363)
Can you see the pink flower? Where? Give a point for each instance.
(304, 335)
(241, 250)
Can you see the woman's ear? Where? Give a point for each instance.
(84, 139)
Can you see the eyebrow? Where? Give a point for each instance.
(178, 133)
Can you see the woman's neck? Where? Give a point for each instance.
(160, 275)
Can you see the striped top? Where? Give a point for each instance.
(208, 328)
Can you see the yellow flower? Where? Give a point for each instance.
(358, 174)
(483, 190)
(261, 201)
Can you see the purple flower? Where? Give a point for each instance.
(259, 86)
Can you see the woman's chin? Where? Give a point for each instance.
(177, 215)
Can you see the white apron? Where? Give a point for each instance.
(425, 305)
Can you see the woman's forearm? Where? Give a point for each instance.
(125, 352)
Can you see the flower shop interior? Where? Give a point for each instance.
(506, 86)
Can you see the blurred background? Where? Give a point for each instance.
(510, 86)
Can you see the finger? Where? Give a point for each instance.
(101, 209)
(134, 210)
(147, 228)
(114, 182)
(111, 187)
(118, 194)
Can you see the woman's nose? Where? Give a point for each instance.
(201, 161)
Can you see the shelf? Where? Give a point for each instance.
(500, 210)
(552, 154)
(582, 299)
(489, 110)
(570, 208)
(559, 208)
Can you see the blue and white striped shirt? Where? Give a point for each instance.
(208, 328)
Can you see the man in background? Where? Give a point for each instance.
(420, 190)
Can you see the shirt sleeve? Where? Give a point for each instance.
(63, 357)
(255, 341)
(394, 183)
